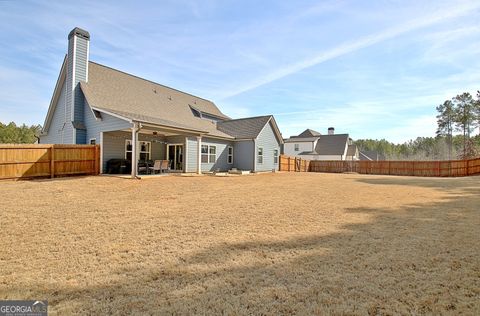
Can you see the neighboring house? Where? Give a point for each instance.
(352, 152)
(305, 142)
(133, 117)
(371, 155)
(312, 145)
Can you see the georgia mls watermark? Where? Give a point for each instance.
(23, 308)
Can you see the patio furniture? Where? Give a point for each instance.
(160, 166)
(118, 166)
(144, 166)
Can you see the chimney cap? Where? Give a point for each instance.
(331, 128)
(80, 32)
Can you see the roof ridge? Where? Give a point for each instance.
(151, 81)
(334, 135)
(246, 118)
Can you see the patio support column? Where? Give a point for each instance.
(199, 154)
(134, 150)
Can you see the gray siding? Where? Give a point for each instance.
(114, 146)
(56, 130)
(81, 136)
(81, 62)
(269, 142)
(191, 154)
(243, 152)
(77, 61)
(108, 123)
(68, 131)
(221, 162)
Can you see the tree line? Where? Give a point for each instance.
(22, 134)
(457, 120)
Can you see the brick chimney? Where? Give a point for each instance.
(331, 131)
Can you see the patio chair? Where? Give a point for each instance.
(142, 167)
(159, 165)
(156, 166)
(164, 166)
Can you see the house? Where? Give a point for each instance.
(371, 155)
(135, 119)
(304, 142)
(311, 145)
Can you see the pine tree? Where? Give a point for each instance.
(445, 122)
(476, 110)
(465, 119)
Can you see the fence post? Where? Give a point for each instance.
(468, 167)
(52, 161)
(288, 164)
(97, 160)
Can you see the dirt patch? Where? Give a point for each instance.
(298, 243)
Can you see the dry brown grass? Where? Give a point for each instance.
(267, 244)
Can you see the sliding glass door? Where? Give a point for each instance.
(175, 157)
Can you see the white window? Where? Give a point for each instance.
(230, 155)
(209, 154)
(212, 157)
(204, 153)
(145, 150)
(128, 149)
(260, 155)
(275, 156)
(297, 147)
(93, 141)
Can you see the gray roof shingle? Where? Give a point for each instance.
(371, 155)
(244, 128)
(300, 139)
(332, 144)
(139, 99)
(308, 133)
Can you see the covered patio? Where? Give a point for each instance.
(135, 151)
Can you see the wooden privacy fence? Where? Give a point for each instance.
(448, 168)
(31, 161)
(293, 164)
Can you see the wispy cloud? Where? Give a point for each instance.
(442, 14)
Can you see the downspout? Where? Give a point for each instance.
(254, 155)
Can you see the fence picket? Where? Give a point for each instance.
(450, 168)
(38, 160)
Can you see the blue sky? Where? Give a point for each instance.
(374, 69)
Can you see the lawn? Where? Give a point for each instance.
(270, 244)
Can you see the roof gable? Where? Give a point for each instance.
(309, 133)
(244, 128)
(135, 98)
(332, 144)
(56, 94)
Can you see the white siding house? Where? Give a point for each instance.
(311, 145)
